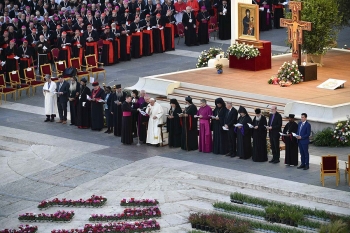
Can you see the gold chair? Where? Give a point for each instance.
(16, 82)
(92, 66)
(31, 78)
(330, 167)
(6, 90)
(80, 73)
(347, 170)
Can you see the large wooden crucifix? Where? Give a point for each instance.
(295, 29)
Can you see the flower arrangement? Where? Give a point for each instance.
(142, 202)
(143, 226)
(219, 66)
(59, 216)
(342, 132)
(134, 213)
(22, 229)
(243, 50)
(207, 55)
(287, 75)
(93, 201)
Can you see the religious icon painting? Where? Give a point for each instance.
(248, 21)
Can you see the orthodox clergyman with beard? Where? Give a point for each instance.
(74, 90)
(117, 99)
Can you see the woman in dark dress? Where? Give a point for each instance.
(127, 121)
(259, 137)
(83, 106)
(97, 95)
(244, 145)
(173, 124)
(189, 134)
(291, 142)
(220, 136)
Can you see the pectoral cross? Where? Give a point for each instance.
(295, 29)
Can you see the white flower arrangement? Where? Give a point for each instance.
(207, 55)
(287, 73)
(342, 131)
(243, 50)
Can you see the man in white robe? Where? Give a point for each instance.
(49, 90)
(155, 112)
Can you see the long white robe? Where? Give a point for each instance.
(50, 98)
(154, 132)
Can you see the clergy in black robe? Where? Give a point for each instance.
(136, 39)
(11, 62)
(291, 142)
(125, 42)
(244, 146)
(143, 121)
(118, 99)
(73, 97)
(77, 45)
(43, 48)
(203, 18)
(107, 108)
(173, 124)
(278, 12)
(127, 137)
(107, 57)
(230, 121)
(224, 15)
(91, 37)
(24, 52)
(259, 137)
(189, 134)
(158, 24)
(147, 36)
(97, 119)
(220, 136)
(189, 22)
(169, 30)
(83, 106)
(64, 45)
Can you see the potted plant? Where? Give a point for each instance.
(219, 68)
(326, 22)
(194, 219)
(334, 227)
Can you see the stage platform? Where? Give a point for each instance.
(336, 65)
(251, 89)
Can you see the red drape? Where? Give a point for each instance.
(118, 41)
(80, 52)
(140, 34)
(172, 28)
(149, 32)
(110, 51)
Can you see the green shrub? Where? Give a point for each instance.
(335, 227)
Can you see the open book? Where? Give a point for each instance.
(284, 134)
(295, 135)
(250, 125)
(238, 125)
(143, 113)
(224, 128)
(88, 97)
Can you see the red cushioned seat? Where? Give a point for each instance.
(95, 69)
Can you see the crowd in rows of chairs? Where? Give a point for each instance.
(32, 80)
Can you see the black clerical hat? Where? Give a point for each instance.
(118, 86)
(242, 110)
(173, 101)
(257, 111)
(291, 116)
(84, 80)
(188, 99)
(135, 92)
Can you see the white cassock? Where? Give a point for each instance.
(50, 98)
(153, 132)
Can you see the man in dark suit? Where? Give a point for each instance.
(74, 91)
(274, 126)
(230, 121)
(304, 131)
(62, 99)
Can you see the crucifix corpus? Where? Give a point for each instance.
(295, 29)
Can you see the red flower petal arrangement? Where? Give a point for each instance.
(130, 227)
(129, 213)
(142, 202)
(93, 201)
(22, 229)
(59, 216)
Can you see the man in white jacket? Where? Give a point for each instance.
(49, 91)
(155, 112)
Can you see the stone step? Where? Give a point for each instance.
(234, 98)
(12, 146)
(216, 191)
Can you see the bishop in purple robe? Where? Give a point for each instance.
(205, 138)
